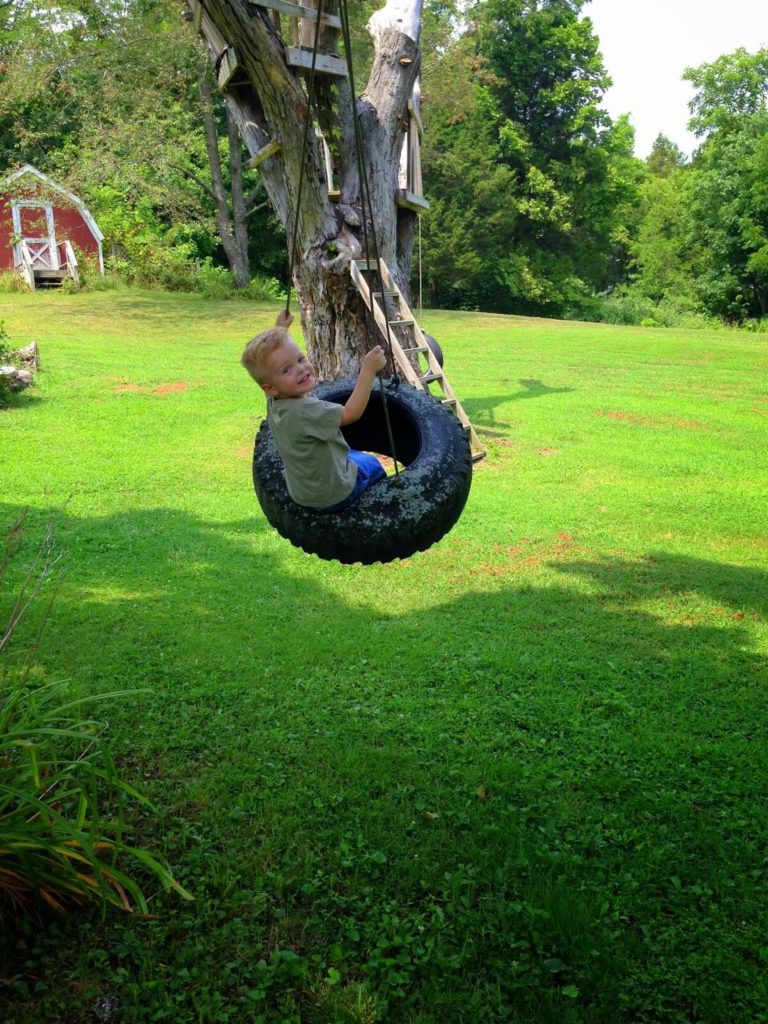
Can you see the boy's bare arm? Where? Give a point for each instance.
(354, 407)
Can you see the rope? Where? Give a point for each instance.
(365, 197)
(304, 147)
(421, 304)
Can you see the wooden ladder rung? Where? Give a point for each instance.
(300, 57)
(412, 374)
(296, 10)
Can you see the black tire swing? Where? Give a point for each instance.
(406, 512)
(395, 517)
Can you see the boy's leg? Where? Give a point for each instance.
(369, 469)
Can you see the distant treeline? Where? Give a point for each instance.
(538, 205)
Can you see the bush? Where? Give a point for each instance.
(630, 307)
(56, 775)
(6, 359)
(178, 276)
(10, 281)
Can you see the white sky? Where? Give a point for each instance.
(646, 46)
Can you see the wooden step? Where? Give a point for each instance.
(401, 352)
(271, 149)
(294, 10)
(411, 201)
(300, 57)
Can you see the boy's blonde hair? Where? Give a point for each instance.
(260, 348)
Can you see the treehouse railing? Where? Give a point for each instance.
(25, 266)
(70, 260)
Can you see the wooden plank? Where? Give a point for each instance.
(212, 36)
(228, 67)
(264, 153)
(411, 201)
(416, 117)
(435, 373)
(297, 11)
(197, 16)
(300, 57)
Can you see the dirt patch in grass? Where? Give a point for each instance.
(175, 387)
(650, 421)
(530, 554)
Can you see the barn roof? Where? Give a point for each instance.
(70, 196)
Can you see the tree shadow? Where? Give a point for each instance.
(482, 410)
(564, 749)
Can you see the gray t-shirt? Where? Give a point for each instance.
(314, 453)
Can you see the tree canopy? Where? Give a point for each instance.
(538, 204)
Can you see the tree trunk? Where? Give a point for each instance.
(232, 228)
(268, 100)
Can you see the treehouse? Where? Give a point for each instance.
(42, 229)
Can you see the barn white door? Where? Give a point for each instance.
(33, 223)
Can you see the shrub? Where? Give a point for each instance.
(629, 306)
(57, 849)
(6, 359)
(10, 281)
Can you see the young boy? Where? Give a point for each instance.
(321, 470)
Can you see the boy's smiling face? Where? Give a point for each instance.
(288, 373)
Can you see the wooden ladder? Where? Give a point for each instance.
(407, 339)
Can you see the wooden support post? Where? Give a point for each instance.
(264, 153)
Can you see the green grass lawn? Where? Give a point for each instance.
(519, 777)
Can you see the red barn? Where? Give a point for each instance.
(43, 228)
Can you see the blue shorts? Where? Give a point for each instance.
(369, 470)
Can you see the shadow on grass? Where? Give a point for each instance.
(526, 803)
(482, 410)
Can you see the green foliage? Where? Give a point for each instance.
(115, 106)
(5, 344)
(733, 87)
(532, 185)
(7, 359)
(57, 848)
(701, 245)
(665, 157)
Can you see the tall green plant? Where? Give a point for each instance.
(57, 846)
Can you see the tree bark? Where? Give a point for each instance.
(268, 100)
(232, 226)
